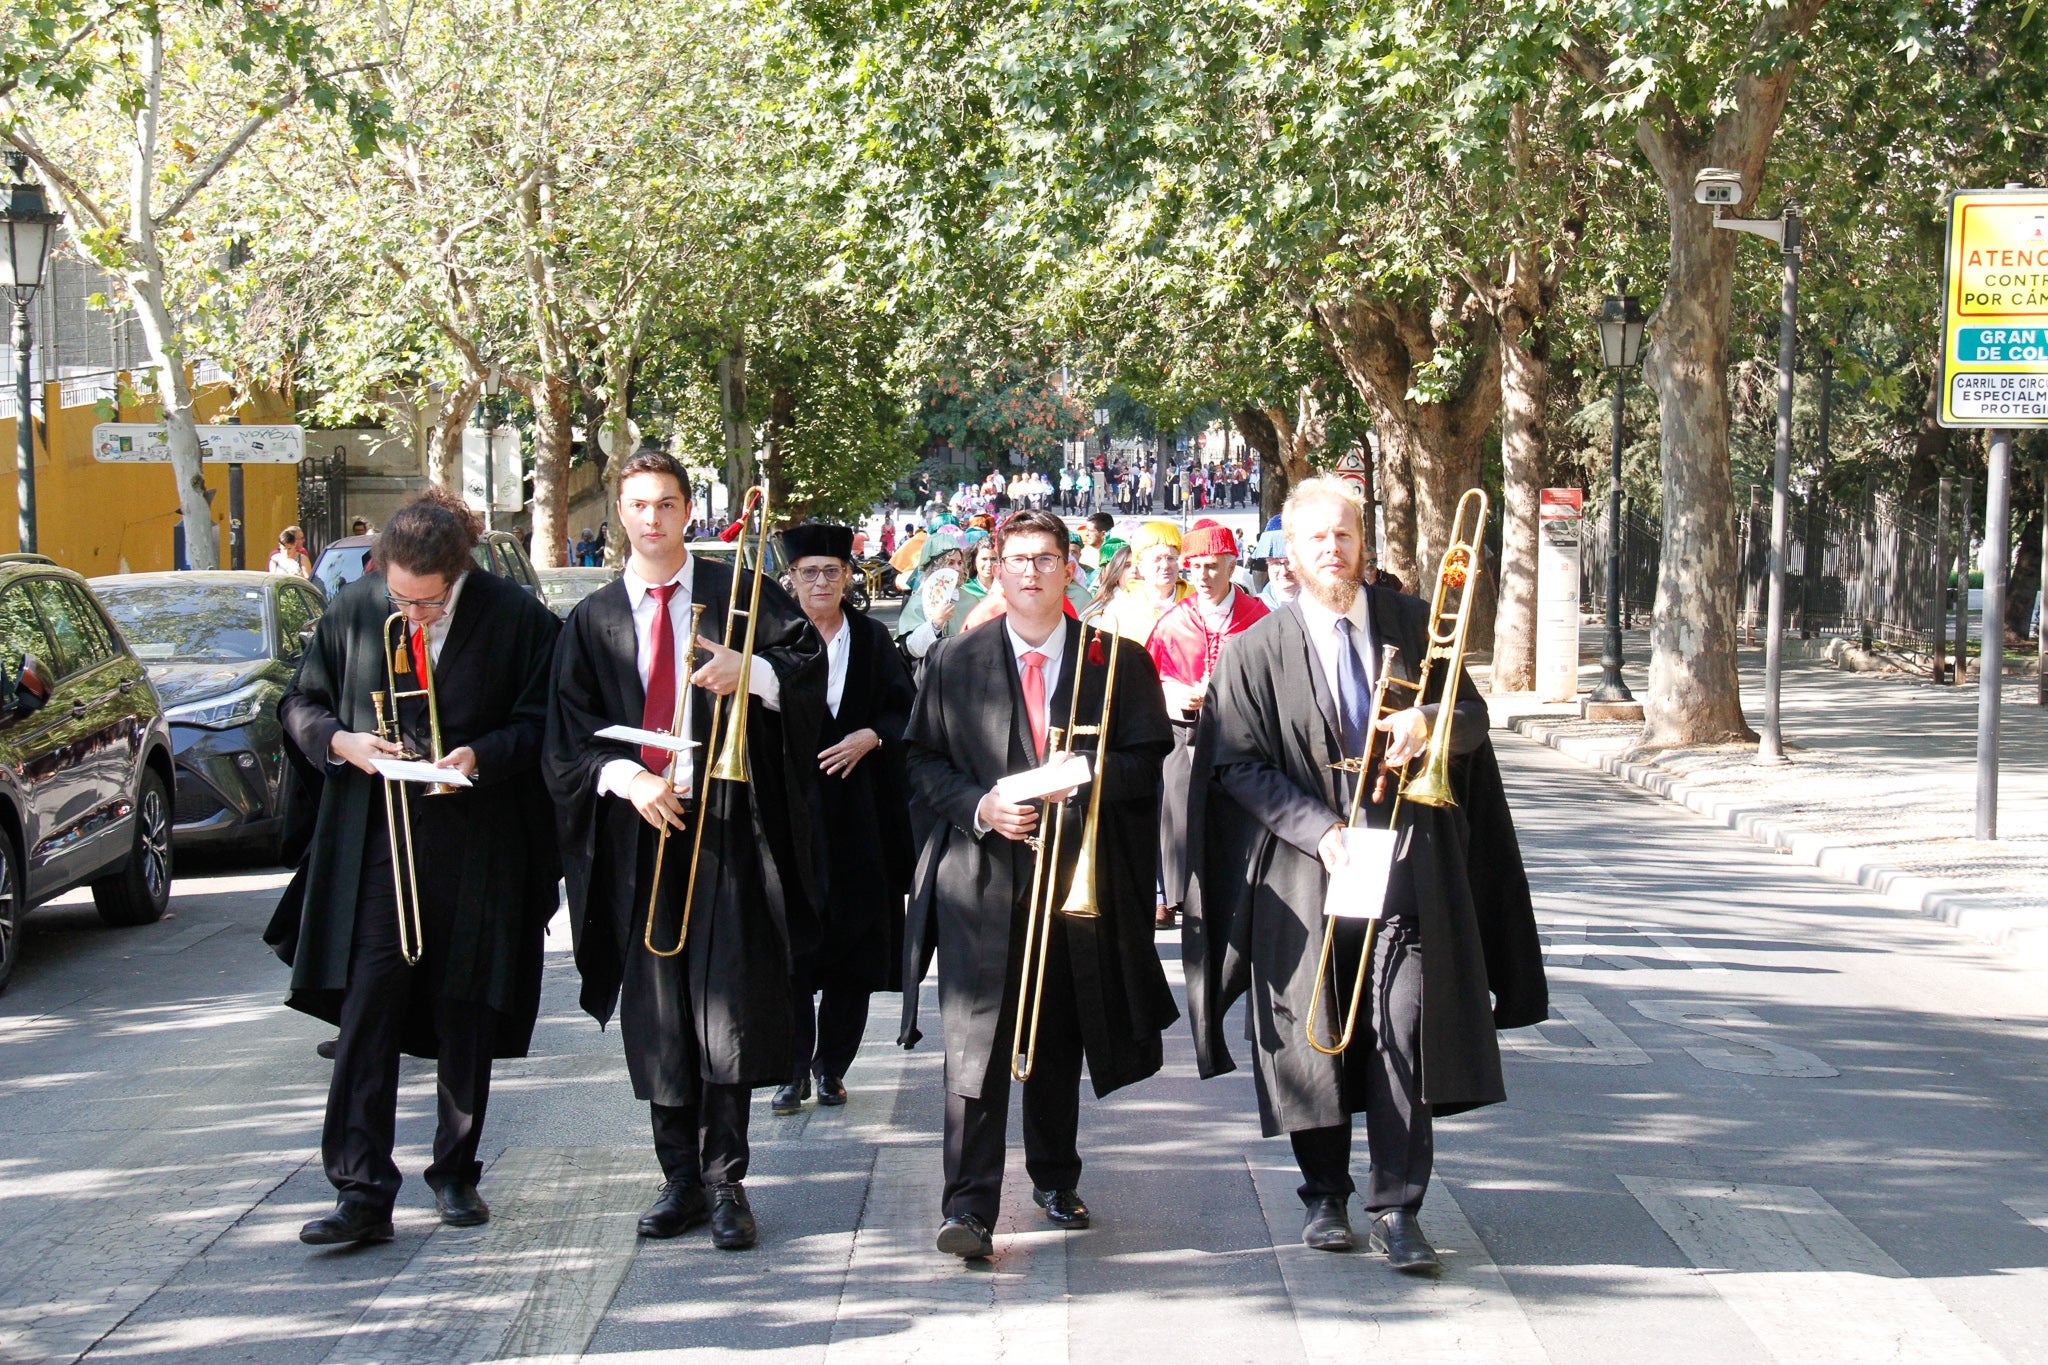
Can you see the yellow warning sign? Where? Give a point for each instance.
(1994, 348)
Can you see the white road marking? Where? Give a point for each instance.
(1760, 1056)
(1813, 1288)
(1351, 1308)
(905, 1302)
(1564, 942)
(1606, 1044)
(534, 1282)
(1685, 951)
(2035, 1211)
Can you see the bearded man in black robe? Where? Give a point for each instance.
(705, 1026)
(989, 699)
(861, 820)
(467, 988)
(1291, 698)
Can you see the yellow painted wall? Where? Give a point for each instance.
(117, 518)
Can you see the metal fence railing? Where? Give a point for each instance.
(1871, 570)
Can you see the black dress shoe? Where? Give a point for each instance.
(831, 1091)
(680, 1208)
(326, 1049)
(1328, 1227)
(732, 1220)
(350, 1222)
(966, 1236)
(1398, 1234)
(790, 1098)
(461, 1206)
(1063, 1208)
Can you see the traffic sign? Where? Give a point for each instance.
(1994, 345)
(145, 443)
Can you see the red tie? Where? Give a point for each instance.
(1034, 700)
(419, 656)
(660, 711)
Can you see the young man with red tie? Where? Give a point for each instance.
(484, 862)
(705, 1026)
(983, 712)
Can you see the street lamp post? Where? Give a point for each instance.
(29, 225)
(1621, 348)
(491, 385)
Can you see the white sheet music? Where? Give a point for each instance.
(1066, 770)
(1358, 890)
(652, 739)
(409, 770)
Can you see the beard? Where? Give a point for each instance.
(1335, 592)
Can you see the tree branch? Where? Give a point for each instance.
(255, 123)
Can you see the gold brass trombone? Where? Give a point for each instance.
(1457, 573)
(731, 764)
(405, 881)
(1081, 900)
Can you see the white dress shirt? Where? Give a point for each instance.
(1054, 649)
(1324, 638)
(616, 776)
(437, 633)
(838, 650)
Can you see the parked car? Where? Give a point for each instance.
(85, 757)
(500, 552)
(221, 648)
(563, 588)
(722, 550)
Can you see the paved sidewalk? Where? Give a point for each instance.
(1881, 789)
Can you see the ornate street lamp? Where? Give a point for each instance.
(26, 229)
(1621, 349)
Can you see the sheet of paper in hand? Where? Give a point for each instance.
(1067, 770)
(406, 770)
(1358, 890)
(653, 739)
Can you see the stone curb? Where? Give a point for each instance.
(2021, 934)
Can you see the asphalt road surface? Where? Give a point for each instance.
(1772, 1121)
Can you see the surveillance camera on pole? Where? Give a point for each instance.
(1722, 189)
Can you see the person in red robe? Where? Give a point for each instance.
(1184, 646)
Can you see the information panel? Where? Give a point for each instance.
(1994, 346)
(1557, 593)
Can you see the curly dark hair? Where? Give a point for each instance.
(433, 534)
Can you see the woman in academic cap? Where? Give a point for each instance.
(863, 850)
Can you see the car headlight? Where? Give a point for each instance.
(219, 713)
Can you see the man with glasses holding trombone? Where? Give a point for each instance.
(989, 700)
(417, 928)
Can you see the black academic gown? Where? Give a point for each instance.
(755, 914)
(487, 861)
(1263, 797)
(967, 730)
(864, 856)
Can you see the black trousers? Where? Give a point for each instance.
(362, 1099)
(1385, 1062)
(704, 1143)
(976, 1136)
(828, 1033)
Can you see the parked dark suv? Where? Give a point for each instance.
(221, 648)
(85, 757)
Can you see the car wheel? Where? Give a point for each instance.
(141, 890)
(11, 910)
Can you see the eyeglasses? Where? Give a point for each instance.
(828, 574)
(1042, 563)
(401, 603)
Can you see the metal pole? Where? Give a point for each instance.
(237, 538)
(1771, 748)
(1611, 687)
(490, 464)
(1991, 664)
(1941, 499)
(1810, 568)
(24, 429)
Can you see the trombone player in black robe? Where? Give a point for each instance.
(983, 712)
(862, 820)
(703, 1028)
(485, 857)
(1457, 955)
